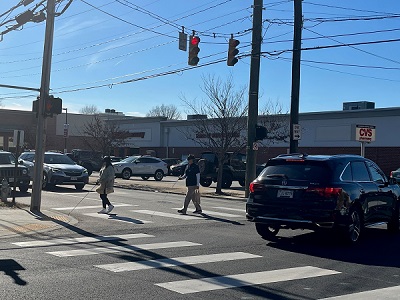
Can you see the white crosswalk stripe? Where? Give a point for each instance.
(239, 280)
(115, 249)
(86, 239)
(215, 213)
(89, 207)
(163, 214)
(390, 293)
(118, 218)
(177, 261)
(242, 210)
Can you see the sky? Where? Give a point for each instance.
(124, 54)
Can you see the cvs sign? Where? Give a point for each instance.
(365, 133)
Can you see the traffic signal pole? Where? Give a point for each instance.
(295, 95)
(253, 94)
(41, 122)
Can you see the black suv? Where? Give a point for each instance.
(343, 192)
(90, 160)
(7, 171)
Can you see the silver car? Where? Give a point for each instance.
(143, 166)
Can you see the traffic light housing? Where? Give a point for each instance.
(261, 133)
(53, 106)
(232, 52)
(193, 50)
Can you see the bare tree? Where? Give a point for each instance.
(169, 111)
(104, 135)
(224, 128)
(276, 120)
(89, 110)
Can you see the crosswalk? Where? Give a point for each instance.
(103, 245)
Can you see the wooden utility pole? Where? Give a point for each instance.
(294, 107)
(253, 94)
(44, 95)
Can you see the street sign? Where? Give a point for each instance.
(255, 146)
(66, 133)
(365, 133)
(296, 132)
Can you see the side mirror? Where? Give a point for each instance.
(392, 181)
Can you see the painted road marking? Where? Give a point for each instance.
(88, 207)
(167, 215)
(239, 280)
(117, 218)
(115, 249)
(85, 239)
(215, 213)
(177, 261)
(390, 293)
(242, 210)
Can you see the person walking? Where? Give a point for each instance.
(192, 176)
(106, 181)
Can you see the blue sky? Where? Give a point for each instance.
(100, 43)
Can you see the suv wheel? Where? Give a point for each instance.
(45, 182)
(394, 223)
(158, 176)
(266, 231)
(206, 182)
(353, 230)
(145, 177)
(126, 173)
(23, 188)
(226, 180)
(80, 186)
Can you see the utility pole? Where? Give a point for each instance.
(294, 107)
(44, 95)
(253, 94)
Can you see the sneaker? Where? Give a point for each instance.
(103, 211)
(198, 211)
(110, 208)
(181, 212)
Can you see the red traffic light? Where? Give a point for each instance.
(194, 40)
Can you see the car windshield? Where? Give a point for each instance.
(58, 159)
(7, 158)
(129, 159)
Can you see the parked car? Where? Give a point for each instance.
(90, 160)
(343, 192)
(8, 172)
(396, 175)
(143, 166)
(58, 169)
(170, 162)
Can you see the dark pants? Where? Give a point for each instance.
(105, 200)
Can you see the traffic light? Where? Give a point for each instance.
(193, 50)
(261, 132)
(232, 52)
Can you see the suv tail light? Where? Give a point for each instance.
(391, 174)
(255, 186)
(326, 191)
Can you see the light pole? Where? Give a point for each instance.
(66, 130)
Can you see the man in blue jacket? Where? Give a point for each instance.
(192, 175)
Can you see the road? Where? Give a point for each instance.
(148, 251)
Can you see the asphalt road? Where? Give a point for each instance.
(148, 251)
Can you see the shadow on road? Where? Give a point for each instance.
(10, 268)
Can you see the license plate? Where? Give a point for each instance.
(74, 178)
(285, 194)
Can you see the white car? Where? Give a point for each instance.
(143, 166)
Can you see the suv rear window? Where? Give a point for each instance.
(313, 171)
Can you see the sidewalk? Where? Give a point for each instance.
(16, 221)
